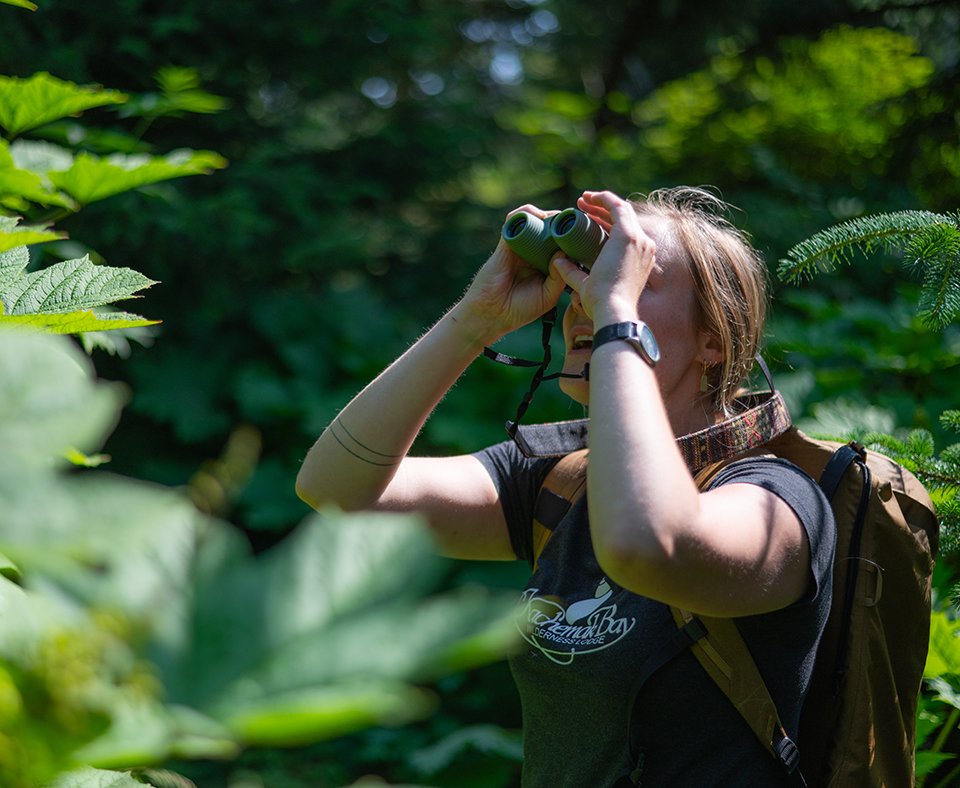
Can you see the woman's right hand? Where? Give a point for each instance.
(507, 293)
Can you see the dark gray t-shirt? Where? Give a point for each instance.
(586, 638)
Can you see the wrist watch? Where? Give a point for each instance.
(636, 333)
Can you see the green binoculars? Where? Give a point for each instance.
(537, 240)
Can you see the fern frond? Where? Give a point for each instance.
(835, 244)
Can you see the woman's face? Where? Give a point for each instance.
(668, 305)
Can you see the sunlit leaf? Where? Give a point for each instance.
(21, 4)
(150, 732)
(943, 656)
(85, 460)
(75, 322)
(28, 103)
(92, 178)
(181, 88)
(48, 403)
(88, 777)
(65, 287)
(12, 235)
(17, 182)
(928, 761)
(324, 712)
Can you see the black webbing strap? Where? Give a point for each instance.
(557, 439)
(841, 460)
(550, 509)
(765, 370)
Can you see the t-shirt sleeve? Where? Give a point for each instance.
(518, 480)
(804, 496)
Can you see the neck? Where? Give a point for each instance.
(696, 416)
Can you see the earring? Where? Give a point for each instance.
(704, 380)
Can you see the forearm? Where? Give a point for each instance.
(641, 495)
(642, 498)
(358, 455)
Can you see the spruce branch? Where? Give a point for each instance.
(929, 241)
(834, 245)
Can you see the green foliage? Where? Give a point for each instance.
(931, 245)
(12, 235)
(26, 104)
(365, 188)
(88, 777)
(939, 712)
(61, 298)
(143, 630)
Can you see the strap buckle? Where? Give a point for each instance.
(788, 754)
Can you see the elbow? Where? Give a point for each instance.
(632, 559)
(317, 495)
(304, 493)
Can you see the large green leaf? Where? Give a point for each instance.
(92, 178)
(943, 656)
(62, 288)
(28, 103)
(325, 633)
(21, 4)
(48, 403)
(76, 322)
(87, 777)
(13, 235)
(316, 609)
(16, 182)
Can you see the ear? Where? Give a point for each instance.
(711, 349)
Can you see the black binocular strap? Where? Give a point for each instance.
(549, 320)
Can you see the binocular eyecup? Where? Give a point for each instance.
(537, 240)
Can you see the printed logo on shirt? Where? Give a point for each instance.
(562, 633)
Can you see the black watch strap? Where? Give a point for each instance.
(636, 333)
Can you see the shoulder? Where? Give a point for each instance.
(504, 461)
(781, 477)
(802, 494)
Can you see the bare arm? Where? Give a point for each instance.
(360, 461)
(738, 550)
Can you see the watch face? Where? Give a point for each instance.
(649, 342)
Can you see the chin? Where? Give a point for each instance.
(577, 389)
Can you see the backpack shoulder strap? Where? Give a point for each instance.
(564, 485)
(724, 655)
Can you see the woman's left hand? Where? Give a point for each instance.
(611, 290)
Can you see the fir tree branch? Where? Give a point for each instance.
(834, 245)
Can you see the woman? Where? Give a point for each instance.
(757, 546)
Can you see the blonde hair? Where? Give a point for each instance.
(730, 279)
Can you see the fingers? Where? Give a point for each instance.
(533, 209)
(572, 275)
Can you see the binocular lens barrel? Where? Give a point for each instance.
(529, 236)
(578, 235)
(537, 240)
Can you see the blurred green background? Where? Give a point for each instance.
(375, 148)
